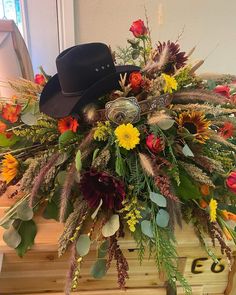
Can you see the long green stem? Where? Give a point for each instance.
(144, 51)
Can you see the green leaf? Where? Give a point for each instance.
(83, 245)
(166, 124)
(162, 218)
(7, 142)
(187, 152)
(158, 199)
(120, 163)
(146, 228)
(95, 153)
(187, 190)
(78, 162)
(111, 226)
(11, 237)
(66, 138)
(24, 212)
(99, 269)
(27, 232)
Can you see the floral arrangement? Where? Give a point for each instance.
(163, 150)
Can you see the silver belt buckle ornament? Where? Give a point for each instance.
(123, 110)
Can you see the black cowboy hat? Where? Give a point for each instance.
(85, 73)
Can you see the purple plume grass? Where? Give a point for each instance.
(40, 177)
(66, 190)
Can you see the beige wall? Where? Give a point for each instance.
(209, 24)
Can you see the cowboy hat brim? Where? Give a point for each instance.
(54, 104)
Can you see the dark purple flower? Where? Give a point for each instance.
(96, 185)
(176, 59)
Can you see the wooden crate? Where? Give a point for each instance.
(41, 271)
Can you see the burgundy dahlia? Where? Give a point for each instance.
(175, 59)
(96, 185)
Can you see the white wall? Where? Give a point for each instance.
(43, 34)
(208, 24)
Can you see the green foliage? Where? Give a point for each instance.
(7, 142)
(187, 189)
(27, 230)
(120, 166)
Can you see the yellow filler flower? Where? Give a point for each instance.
(127, 136)
(102, 131)
(170, 83)
(9, 168)
(213, 206)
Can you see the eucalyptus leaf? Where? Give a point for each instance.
(98, 270)
(162, 218)
(29, 119)
(61, 159)
(27, 231)
(24, 212)
(93, 216)
(83, 245)
(158, 199)
(187, 151)
(78, 162)
(103, 249)
(166, 124)
(135, 54)
(11, 237)
(146, 228)
(60, 178)
(111, 226)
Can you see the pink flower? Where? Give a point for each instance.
(138, 28)
(231, 181)
(223, 90)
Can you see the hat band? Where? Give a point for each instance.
(76, 93)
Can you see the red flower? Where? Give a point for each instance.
(154, 143)
(39, 79)
(231, 181)
(11, 112)
(135, 80)
(138, 28)
(95, 186)
(223, 90)
(3, 127)
(67, 123)
(227, 130)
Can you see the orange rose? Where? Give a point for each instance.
(11, 112)
(135, 80)
(203, 204)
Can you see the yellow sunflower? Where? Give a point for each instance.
(9, 168)
(196, 123)
(127, 136)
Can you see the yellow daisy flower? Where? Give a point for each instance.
(213, 206)
(170, 83)
(127, 136)
(9, 168)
